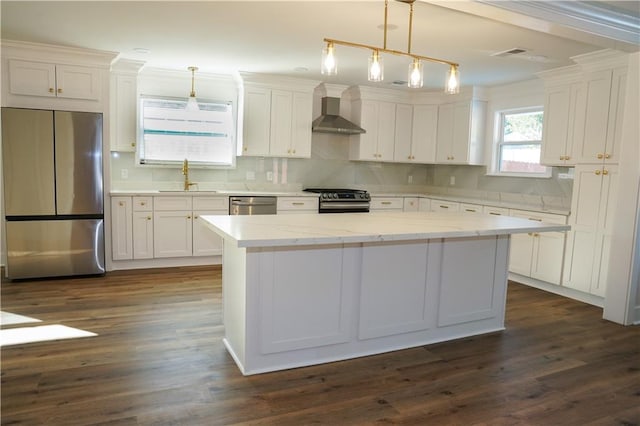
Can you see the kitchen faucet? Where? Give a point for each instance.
(185, 172)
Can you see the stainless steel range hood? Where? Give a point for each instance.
(330, 120)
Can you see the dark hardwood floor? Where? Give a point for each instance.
(158, 359)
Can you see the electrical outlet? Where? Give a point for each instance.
(251, 175)
(410, 179)
(124, 173)
(270, 176)
(452, 180)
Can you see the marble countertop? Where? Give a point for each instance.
(321, 229)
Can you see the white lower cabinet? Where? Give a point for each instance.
(538, 255)
(386, 204)
(424, 205)
(297, 205)
(145, 227)
(121, 228)
(411, 204)
(470, 208)
(444, 206)
(589, 241)
(142, 227)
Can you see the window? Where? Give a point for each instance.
(170, 133)
(520, 144)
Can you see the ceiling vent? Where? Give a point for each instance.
(510, 52)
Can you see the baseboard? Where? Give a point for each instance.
(119, 265)
(558, 289)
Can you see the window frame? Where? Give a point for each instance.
(499, 143)
(178, 162)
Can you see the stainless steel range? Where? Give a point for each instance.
(342, 200)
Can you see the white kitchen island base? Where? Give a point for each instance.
(295, 306)
(301, 290)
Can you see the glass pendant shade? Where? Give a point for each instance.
(329, 65)
(376, 69)
(192, 104)
(416, 75)
(452, 86)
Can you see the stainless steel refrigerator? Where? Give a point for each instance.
(53, 193)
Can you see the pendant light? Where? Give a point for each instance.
(192, 103)
(416, 76)
(453, 81)
(375, 68)
(329, 65)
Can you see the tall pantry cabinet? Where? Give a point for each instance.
(593, 132)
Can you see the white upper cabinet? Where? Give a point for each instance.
(599, 116)
(415, 135)
(378, 119)
(45, 76)
(276, 117)
(51, 80)
(124, 104)
(557, 129)
(583, 110)
(461, 132)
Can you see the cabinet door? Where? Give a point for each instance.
(256, 121)
(172, 233)
(423, 136)
(205, 241)
(78, 82)
(142, 235)
(121, 228)
(386, 131)
(520, 254)
(301, 125)
(616, 114)
(470, 208)
(444, 137)
(444, 206)
(32, 78)
(548, 252)
(588, 242)
(403, 129)
(424, 205)
(124, 113)
(411, 204)
(281, 122)
(555, 128)
(592, 117)
(461, 139)
(367, 143)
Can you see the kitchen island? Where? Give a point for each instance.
(307, 289)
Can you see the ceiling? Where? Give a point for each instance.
(285, 37)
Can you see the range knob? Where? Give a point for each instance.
(335, 195)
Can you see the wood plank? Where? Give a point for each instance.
(158, 359)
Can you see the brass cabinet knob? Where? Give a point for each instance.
(566, 157)
(59, 90)
(600, 156)
(121, 203)
(133, 144)
(148, 217)
(294, 151)
(189, 217)
(245, 149)
(598, 172)
(605, 172)
(51, 90)
(607, 155)
(143, 203)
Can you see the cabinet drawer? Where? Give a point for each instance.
(387, 203)
(298, 203)
(171, 203)
(142, 204)
(470, 208)
(539, 217)
(444, 206)
(495, 211)
(211, 203)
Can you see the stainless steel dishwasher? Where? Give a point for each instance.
(252, 205)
